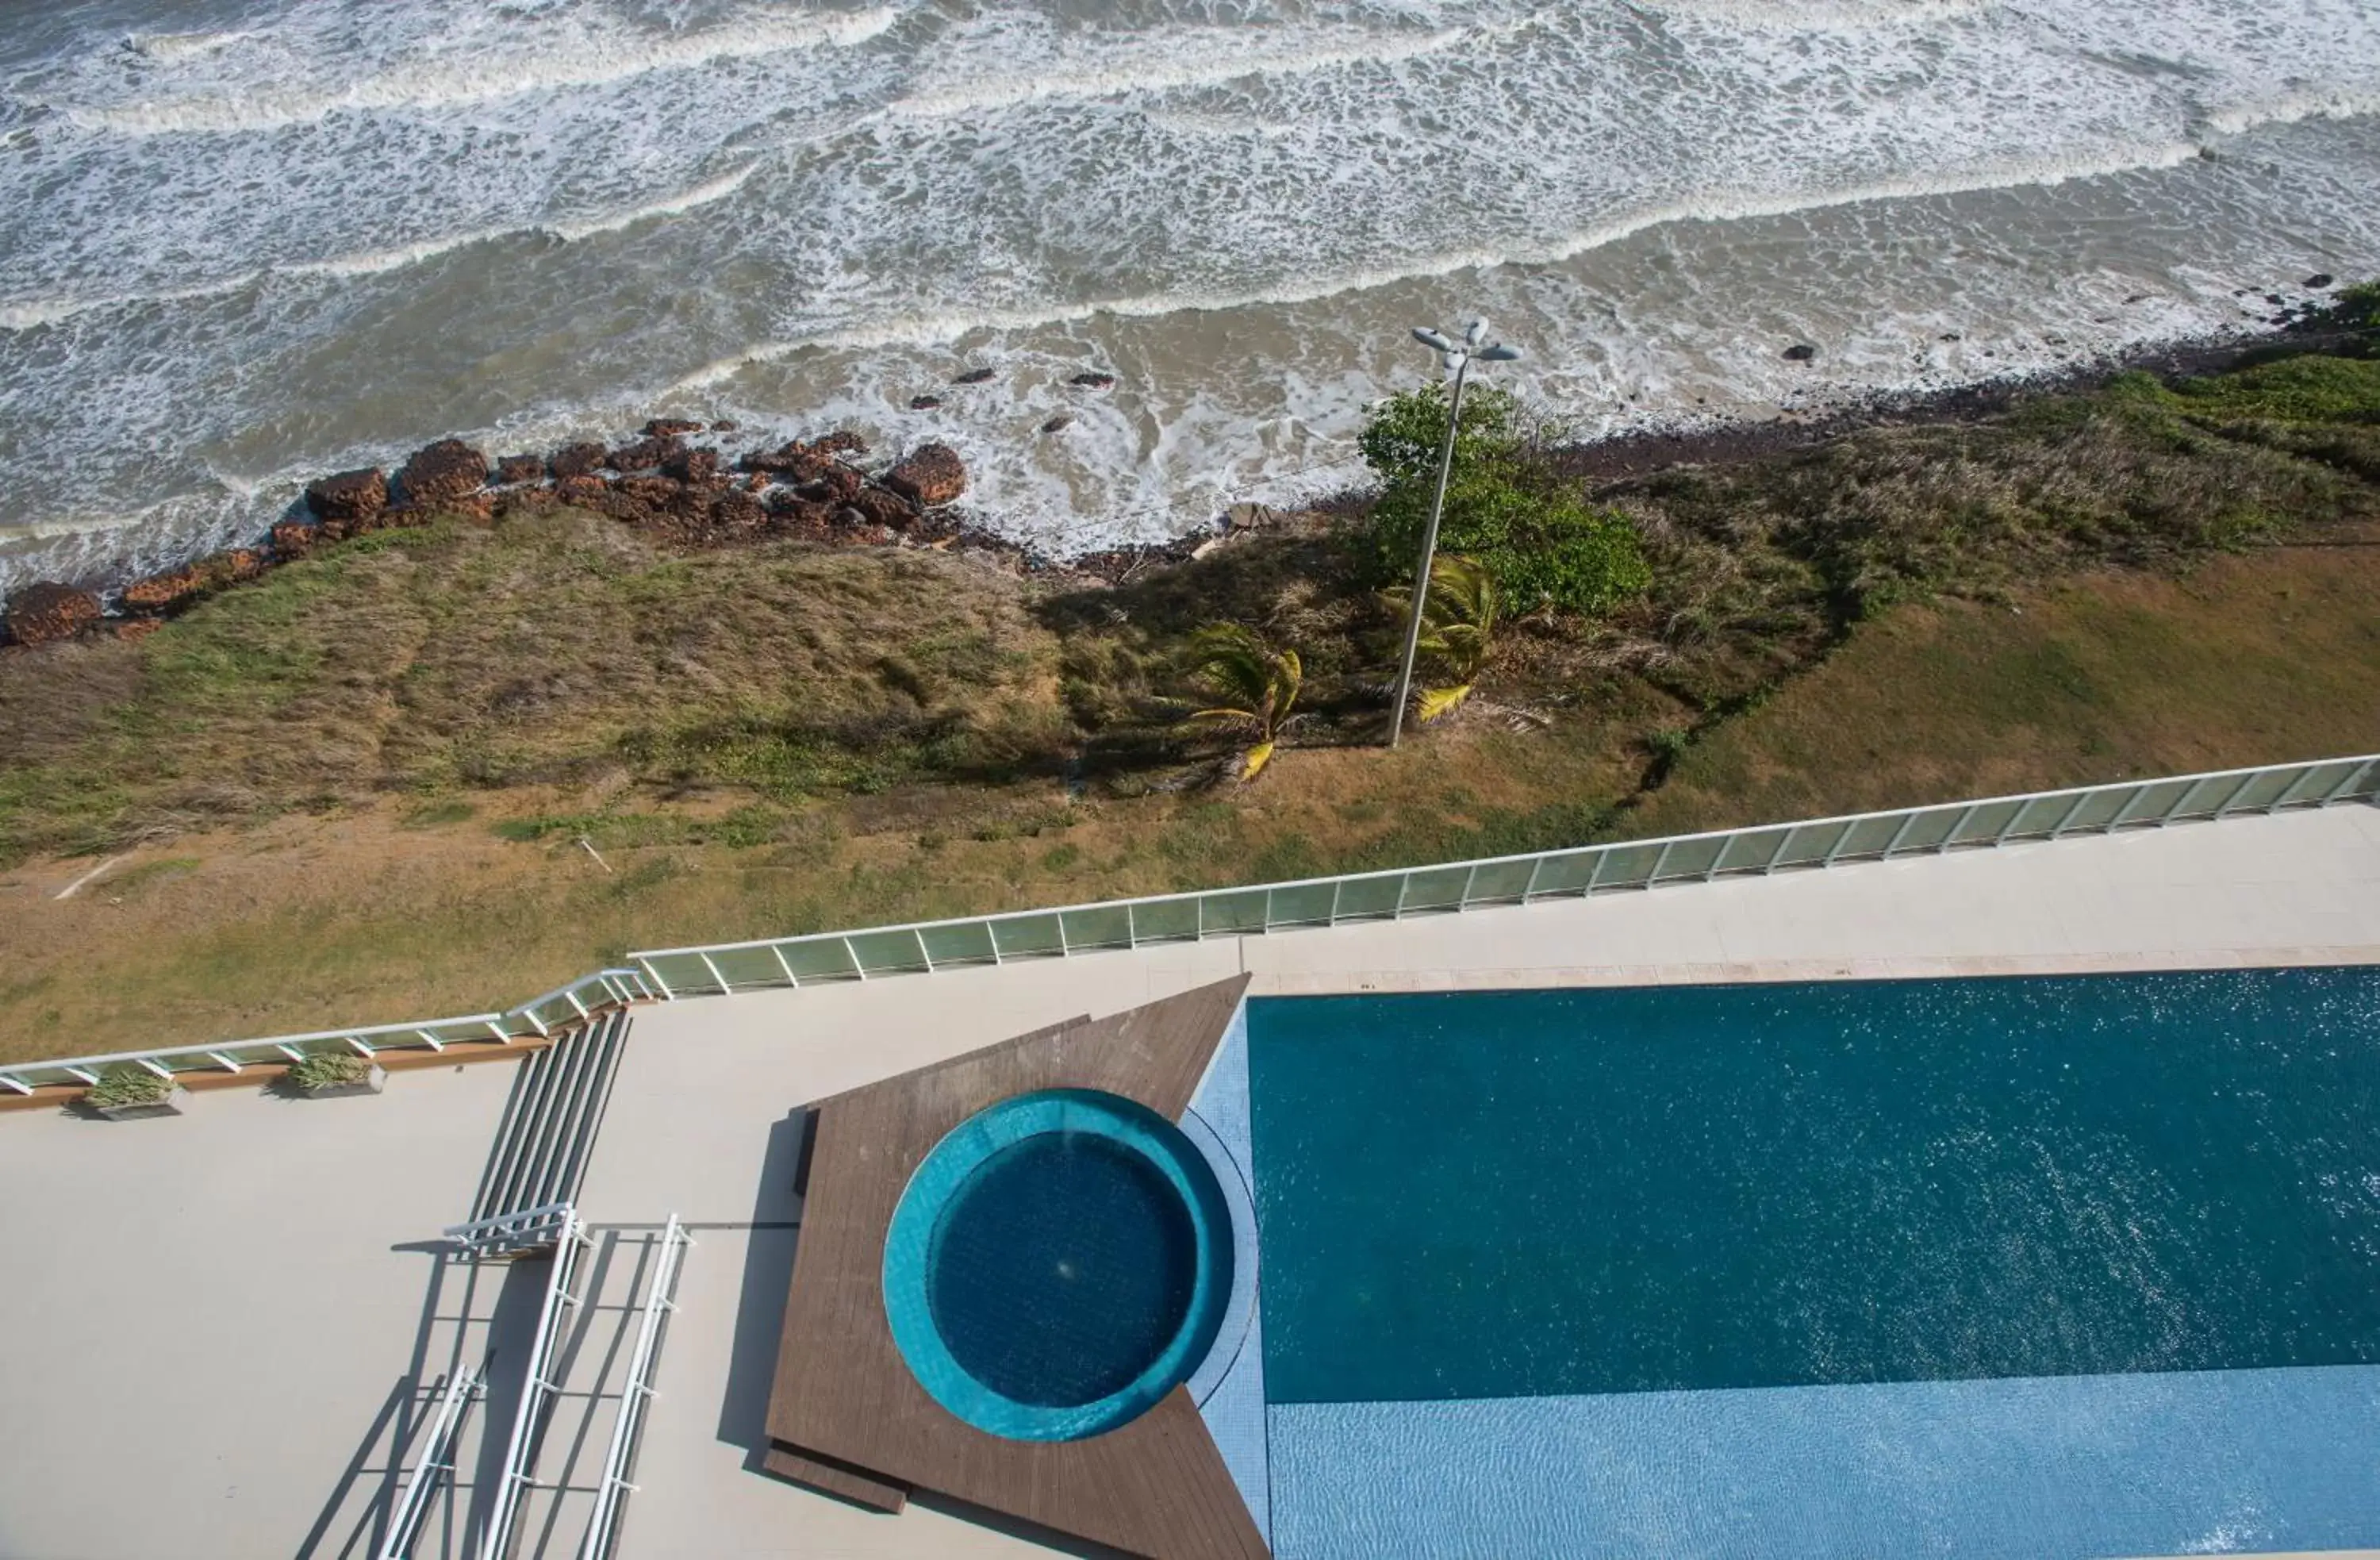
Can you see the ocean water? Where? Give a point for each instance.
(249, 241)
(2025, 1267)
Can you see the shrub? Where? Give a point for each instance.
(127, 1083)
(328, 1069)
(1545, 545)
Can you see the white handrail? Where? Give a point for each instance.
(603, 1529)
(1255, 908)
(520, 1445)
(437, 1460)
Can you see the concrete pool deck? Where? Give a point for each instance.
(213, 1320)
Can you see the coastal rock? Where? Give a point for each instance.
(725, 425)
(1800, 352)
(857, 528)
(671, 428)
(513, 470)
(349, 495)
(974, 376)
(656, 493)
(578, 460)
(843, 441)
(878, 507)
(138, 627)
(178, 587)
(442, 474)
(2320, 281)
(1094, 381)
(928, 475)
(694, 466)
(737, 513)
(581, 491)
(646, 454)
(294, 539)
(799, 518)
(924, 403)
(1055, 424)
(47, 612)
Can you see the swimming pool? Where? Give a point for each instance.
(2011, 1267)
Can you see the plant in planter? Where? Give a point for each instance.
(128, 1090)
(324, 1075)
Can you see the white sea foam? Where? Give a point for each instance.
(1172, 62)
(34, 313)
(169, 47)
(1809, 16)
(594, 57)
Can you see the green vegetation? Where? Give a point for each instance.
(355, 790)
(1545, 544)
(328, 1069)
(125, 1085)
(1255, 686)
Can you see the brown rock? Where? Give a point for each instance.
(671, 428)
(578, 460)
(646, 454)
(178, 587)
(515, 469)
(47, 612)
(928, 475)
(294, 539)
(137, 628)
(725, 425)
(653, 493)
(738, 512)
(1061, 420)
(694, 467)
(581, 491)
(974, 376)
(1094, 381)
(877, 507)
(841, 442)
(442, 474)
(350, 495)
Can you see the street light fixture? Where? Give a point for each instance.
(1458, 356)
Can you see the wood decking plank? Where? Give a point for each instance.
(1156, 1486)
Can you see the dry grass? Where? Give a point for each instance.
(356, 791)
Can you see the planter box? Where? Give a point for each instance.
(369, 1084)
(170, 1105)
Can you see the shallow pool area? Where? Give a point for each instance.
(1990, 1267)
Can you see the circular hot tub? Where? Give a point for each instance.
(1057, 1264)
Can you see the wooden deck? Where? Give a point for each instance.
(848, 1417)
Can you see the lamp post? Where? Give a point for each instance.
(1458, 356)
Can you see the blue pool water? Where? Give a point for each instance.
(1062, 1269)
(1058, 1263)
(2026, 1267)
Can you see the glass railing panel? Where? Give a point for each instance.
(1748, 852)
(1809, 843)
(819, 958)
(1304, 903)
(1370, 898)
(1104, 926)
(889, 953)
(1984, 823)
(1231, 911)
(1625, 866)
(1434, 888)
(1028, 936)
(1166, 920)
(1926, 829)
(958, 942)
(2036, 818)
(1690, 857)
(743, 968)
(2323, 779)
(2262, 790)
(1569, 872)
(2096, 809)
(681, 973)
(1500, 882)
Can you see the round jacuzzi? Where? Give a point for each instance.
(1057, 1264)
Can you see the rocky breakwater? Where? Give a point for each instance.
(681, 493)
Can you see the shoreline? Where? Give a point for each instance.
(702, 496)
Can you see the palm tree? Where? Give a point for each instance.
(1254, 686)
(1458, 629)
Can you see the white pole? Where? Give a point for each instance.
(1429, 552)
